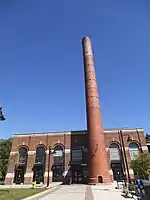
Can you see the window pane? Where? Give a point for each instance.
(58, 160)
(58, 155)
(23, 155)
(114, 151)
(114, 154)
(134, 150)
(76, 154)
(40, 155)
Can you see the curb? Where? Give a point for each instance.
(42, 194)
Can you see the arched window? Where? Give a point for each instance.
(58, 167)
(20, 168)
(23, 155)
(116, 161)
(134, 150)
(40, 155)
(58, 155)
(114, 152)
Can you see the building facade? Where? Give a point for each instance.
(64, 156)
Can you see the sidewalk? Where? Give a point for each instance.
(67, 192)
(84, 192)
(107, 192)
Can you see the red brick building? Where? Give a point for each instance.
(29, 157)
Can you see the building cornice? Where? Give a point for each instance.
(80, 132)
(124, 130)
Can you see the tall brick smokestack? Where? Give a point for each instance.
(98, 161)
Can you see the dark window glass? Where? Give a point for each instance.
(85, 155)
(40, 155)
(23, 155)
(77, 153)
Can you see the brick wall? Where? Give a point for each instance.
(66, 139)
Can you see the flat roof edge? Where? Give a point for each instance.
(109, 130)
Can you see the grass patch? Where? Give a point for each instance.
(18, 193)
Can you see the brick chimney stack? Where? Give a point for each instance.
(98, 162)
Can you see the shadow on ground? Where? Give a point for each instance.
(126, 197)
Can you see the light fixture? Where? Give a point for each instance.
(129, 139)
(2, 118)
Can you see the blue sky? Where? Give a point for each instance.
(41, 65)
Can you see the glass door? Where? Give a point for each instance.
(19, 176)
(39, 175)
(58, 173)
(77, 175)
(118, 173)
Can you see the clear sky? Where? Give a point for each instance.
(41, 65)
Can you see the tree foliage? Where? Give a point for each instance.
(141, 165)
(147, 138)
(5, 148)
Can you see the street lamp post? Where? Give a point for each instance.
(123, 162)
(48, 165)
(139, 140)
(2, 118)
(49, 155)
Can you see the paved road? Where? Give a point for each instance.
(71, 192)
(84, 192)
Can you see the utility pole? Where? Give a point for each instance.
(49, 154)
(125, 157)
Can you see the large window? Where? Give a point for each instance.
(116, 161)
(58, 155)
(114, 152)
(58, 167)
(21, 167)
(23, 155)
(40, 155)
(134, 150)
(77, 154)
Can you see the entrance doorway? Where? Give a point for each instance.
(58, 173)
(19, 176)
(38, 175)
(79, 174)
(117, 171)
(77, 177)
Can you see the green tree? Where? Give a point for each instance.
(141, 165)
(147, 137)
(5, 148)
